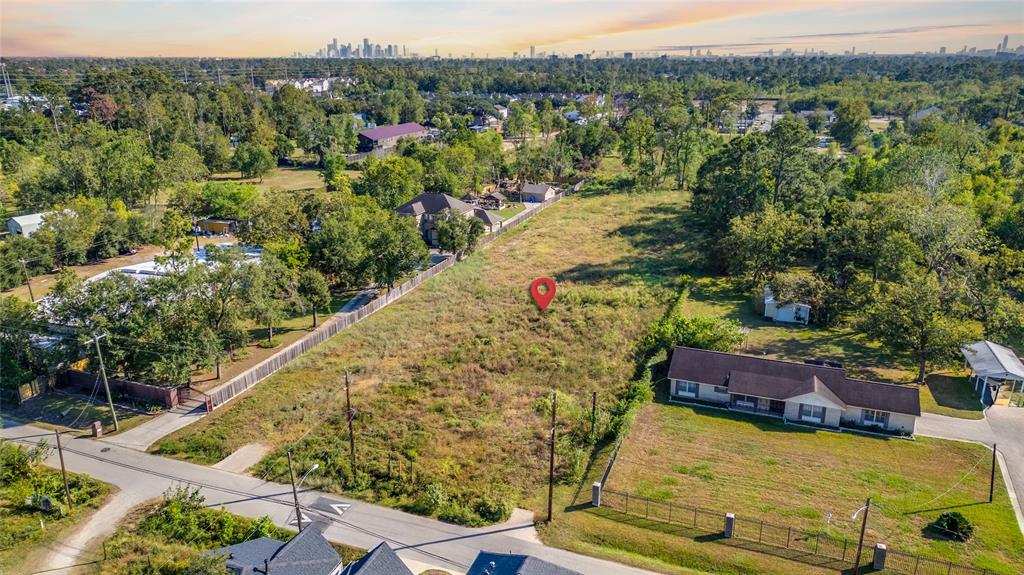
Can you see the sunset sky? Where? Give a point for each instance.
(497, 28)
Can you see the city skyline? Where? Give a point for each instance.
(263, 28)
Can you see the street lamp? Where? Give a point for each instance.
(295, 487)
(863, 527)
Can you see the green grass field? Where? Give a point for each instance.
(286, 178)
(951, 395)
(761, 469)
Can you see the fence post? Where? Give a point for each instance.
(789, 535)
(730, 525)
(595, 494)
(760, 531)
(816, 537)
(647, 511)
(878, 561)
(844, 550)
(670, 512)
(627, 504)
(917, 561)
(694, 517)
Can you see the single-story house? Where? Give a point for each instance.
(308, 553)
(501, 110)
(388, 136)
(25, 225)
(537, 193)
(491, 221)
(215, 227)
(993, 366)
(427, 206)
(380, 561)
(793, 312)
(797, 392)
(471, 199)
(501, 564)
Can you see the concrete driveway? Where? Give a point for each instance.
(1003, 426)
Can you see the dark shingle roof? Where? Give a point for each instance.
(487, 217)
(775, 379)
(497, 196)
(501, 564)
(536, 188)
(433, 203)
(308, 553)
(381, 561)
(392, 131)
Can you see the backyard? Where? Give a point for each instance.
(453, 377)
(760, 469)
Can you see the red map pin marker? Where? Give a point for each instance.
(543, 298)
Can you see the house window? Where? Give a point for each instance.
(814, 413)
(747, 401)
(875, 417)
(720, 389)
(686, 388)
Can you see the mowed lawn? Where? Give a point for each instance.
(944, 393)
(454, 375)
(760, 469)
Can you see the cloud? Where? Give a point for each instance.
(671, 17)
(888, 33)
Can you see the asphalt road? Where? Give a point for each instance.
(141, 476)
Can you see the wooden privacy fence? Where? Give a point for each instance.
(796, 541)
(342, 320)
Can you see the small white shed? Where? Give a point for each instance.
(785, 312)
(993, 366)
(25, 225)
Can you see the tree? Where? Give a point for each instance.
(913, 316)
(851, 121)
(685, 142)
(764, 243)
(269, 288)
(253, 160)
(639, 146)
(181, 165)
(701, 332)
(391, 181)
(341, 249)
(126, 168)
(788, 141)
(458, 234)
(397, 247)
(334, 174)
(313, 290)
(733, 182)
(228, 199)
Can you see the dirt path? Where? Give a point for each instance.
(67, 555)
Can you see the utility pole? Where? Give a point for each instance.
(551, 462)
(28, 279)
(63, 470)
(252, 79)
(860, 543)
(106, 386)
(295, 491)
(350, 415)
(992, 477)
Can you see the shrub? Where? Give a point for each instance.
(492, 509)
(954, 525)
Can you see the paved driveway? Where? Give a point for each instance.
(1003, 426)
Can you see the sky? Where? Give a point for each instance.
(250, 28)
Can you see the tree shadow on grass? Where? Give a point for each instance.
(953, 392)
(667, 239)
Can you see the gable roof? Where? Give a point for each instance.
(433, 203)
(497, 196)
(381, 561)
(308, 553)
(537, 188)
(501, 564)
(29, 219)
(392, 131)
(993, 360)
(487, 217)
(777, 379)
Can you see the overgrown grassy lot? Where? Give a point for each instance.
(163, 537)
(76, 412)
(759, 468)
(455, 377)
(286, 178)
(25, 531)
